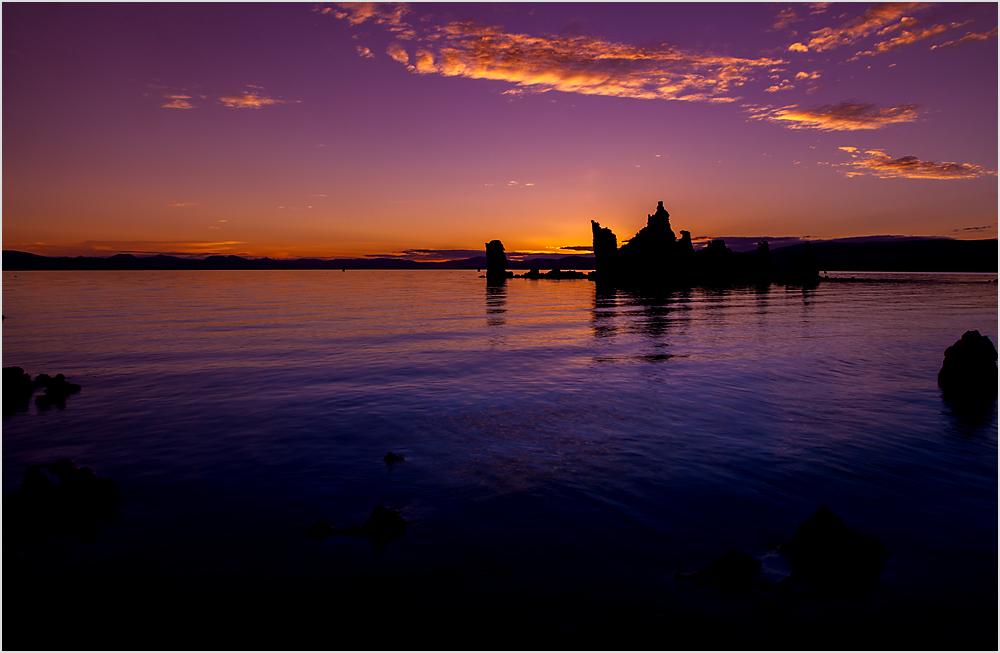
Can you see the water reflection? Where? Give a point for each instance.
(496, 308)
(627, 313)
(496, 302)
(602, 318)
(971, 419)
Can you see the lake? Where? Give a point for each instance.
(567, 449)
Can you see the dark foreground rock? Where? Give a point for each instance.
(969, 372)
(18, 387)
(734, 571)
(17, 390)
(80, 503)
(833, 558)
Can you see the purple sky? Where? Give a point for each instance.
(327, 130)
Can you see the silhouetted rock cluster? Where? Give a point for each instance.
(554, 273)
(18, 387)
(383, 524)
(41, 510)
(655, 256)
(826, 556)
(969, 372)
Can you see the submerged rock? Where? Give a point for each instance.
(969, 372)
(733, 571)
(383, 524)
(18, 387)
(832, 557)
(56, 391)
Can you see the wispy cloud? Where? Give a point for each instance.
(790, 14)
(785, 17)
(877, 163)
(178, 102)
(873, 20)
(387, 14)
(104, 248)
(248, 100)
(846, 116)
(910, 36)
(182, 204)
(971, 37)
(253, 98)
(432, 254)
(989, 227)
(573, 64)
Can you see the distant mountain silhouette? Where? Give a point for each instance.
(923, 255)
(902, 256)
(15, 260)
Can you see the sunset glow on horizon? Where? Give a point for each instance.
(425, 130)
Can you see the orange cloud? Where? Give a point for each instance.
(846, 116)
(248, 100)
(396, 51)
(968, 38)
(573, 64)
(178, 102)
(873, 20)
(389, 15)
(876, 163)
(910, 36)
(785, 18)
(182, 204)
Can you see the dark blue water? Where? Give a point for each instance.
(558, 442)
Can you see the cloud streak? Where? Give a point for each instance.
(178, 102)
(573, 64)
(910, 36)
(873, 20)
(971, 37)
(876, 163)
(247, 100)
(846, 116)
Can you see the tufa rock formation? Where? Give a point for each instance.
(969, 372)
(654, 256)
(496, 262)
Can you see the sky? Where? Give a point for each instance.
(424, 130)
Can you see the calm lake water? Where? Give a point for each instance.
(562, 444)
